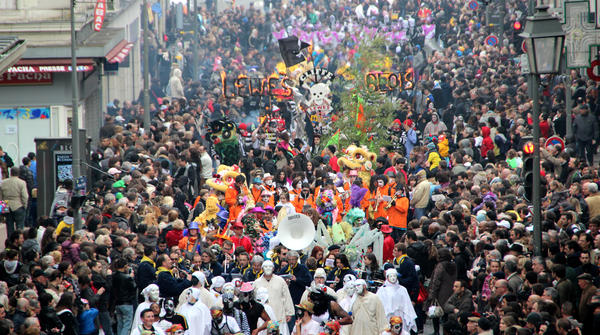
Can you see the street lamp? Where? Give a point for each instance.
(544, 39)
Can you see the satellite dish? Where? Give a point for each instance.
(296, 231)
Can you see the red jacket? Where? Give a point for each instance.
(388, 248)
(173, 237)
(487, 143)
(244, 241)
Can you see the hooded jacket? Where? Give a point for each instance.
(488, 143)
(421, 192)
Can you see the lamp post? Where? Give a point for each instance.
(75, 113)
(544, 39)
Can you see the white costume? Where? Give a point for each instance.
(217, 282)
(279, 296)
(367, 312)
(137, 330)
(206, 296)
(262, 296)
(196, 314)
(396, 301)
(151, 294)
(345, 298)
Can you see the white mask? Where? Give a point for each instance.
(350, 288)
(228, 289)
(154, 293)
(392, 278)
(268, 269)
(359, 288)
(269, 182)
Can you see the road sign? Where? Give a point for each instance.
(473, 5)
(554, 140)
(491, 40)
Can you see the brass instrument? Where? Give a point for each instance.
(372, 210)
(389, 204)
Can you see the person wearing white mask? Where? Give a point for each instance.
(198, 281)
(217, 286)
(151, 294)
(197, 315)
(262, 296)
(279, 296)
(367, 311)
(320, 277)
(396, 301)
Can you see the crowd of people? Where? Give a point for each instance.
(432, 233)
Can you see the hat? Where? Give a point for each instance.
(585, 276)
(37, 273)
(217, 282)
(517, 247)
(246, 287)
(353, 173)
(333, 247)
(267, 175)
(484, 324)
(488, 246)
(382, 220)
(504, 224)
(193, 225)
(320, 273)
(200, 276)
(237, 224)
(257, 210)
(408, 122)
(118, 184)
(127, 166)
(386, 229)
(398, 122)
(306, 306)
(243, 126)
(113, 171)
(534, 318)
(473, 319)
(269, 208)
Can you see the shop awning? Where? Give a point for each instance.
(119, 52)
(11, 50)
(51, 65)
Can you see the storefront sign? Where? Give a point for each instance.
(27, 78)
(47, 68)
(99, 13)
(24, 113)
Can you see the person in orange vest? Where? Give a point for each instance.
(302, 198)
(398, 211)
(381, 190)
(231, 197)
(256, 189)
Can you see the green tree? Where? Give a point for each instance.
(354, 90)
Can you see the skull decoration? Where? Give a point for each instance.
(319, 94)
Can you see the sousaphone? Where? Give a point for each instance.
(296, 231)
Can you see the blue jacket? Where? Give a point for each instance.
(298, 286)
(170, 286)
(145, 275)
(411, 141)
(86, 321)
(407, 276)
